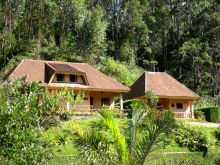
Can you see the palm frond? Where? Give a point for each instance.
(93, 147)
(132, 128)
(144, 143)
(148, 135)
(119, 138)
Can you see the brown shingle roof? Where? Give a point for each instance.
(162, 85)
(63, 67)
(35, 70)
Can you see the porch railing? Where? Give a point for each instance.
(90, 110)
(182, 115)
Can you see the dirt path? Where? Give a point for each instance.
(206, 124)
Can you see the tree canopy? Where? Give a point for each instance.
(181, 37)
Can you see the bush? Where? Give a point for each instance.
(194, 140)
(212, 114)
(217, 161)
(65, 116)
(217, 134)
(199, 115)
(205, 101)
(129, 105)
(26, 110)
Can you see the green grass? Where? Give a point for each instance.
(66, 153)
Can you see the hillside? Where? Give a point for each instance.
(121, 38)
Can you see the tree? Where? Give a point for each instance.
(195, 56)
(133, 147)
(26, 110)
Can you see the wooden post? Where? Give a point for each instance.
(121, 102)
(68, 106)
(191, 109)
(112, 106)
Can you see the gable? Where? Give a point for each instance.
(138, 88)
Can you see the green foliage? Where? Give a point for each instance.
(141, 134)
(26, 110)
(138, 104)
(120, 71)
(93, 147)
(63, 138)
(20, 136)
(119, 139)
(151, 99)
(199, 115)
(181, 38)
(217, 161)
(212, 114)
(204, 102)
(126, 51)
(132, 104)
(217, 134)
(193, 139)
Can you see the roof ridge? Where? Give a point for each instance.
(54, 61)
(151, 72)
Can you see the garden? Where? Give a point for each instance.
(35, 129)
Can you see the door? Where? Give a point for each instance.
(105, 102)
(91, 102)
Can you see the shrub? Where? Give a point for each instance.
(130, 105)
(212, 114)
(20, 133)
(63, 138)
(217, 161)
(151, 99)
(194, 140)
(217, 134)
(205, 101)
(27, 109)
(199, 115)
(65, 116)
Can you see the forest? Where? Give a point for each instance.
(181, 37)
(121, 38)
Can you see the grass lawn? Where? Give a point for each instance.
(65, 151)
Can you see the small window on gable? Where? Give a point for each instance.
(60, 77)
(179, 106)
(73, 78)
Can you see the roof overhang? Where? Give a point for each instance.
(175, 97)
(82, 87)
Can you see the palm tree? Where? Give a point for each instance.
(132, 147)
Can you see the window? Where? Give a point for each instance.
(159, 106)
(179, 106)
(91, 100)
(73, 78)
(60, 77)
(105, 102)
(172, 105)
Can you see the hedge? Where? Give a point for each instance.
(212, 114)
